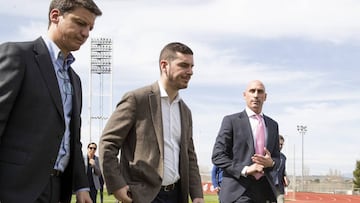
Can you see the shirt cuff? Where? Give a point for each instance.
(243, 172)
(83, 189)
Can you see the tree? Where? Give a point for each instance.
(356, 175)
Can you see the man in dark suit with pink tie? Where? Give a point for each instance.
(247, 149)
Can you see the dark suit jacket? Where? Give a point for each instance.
(96, 172)
(278, 174)
(135, 127)
(32, 124)
(233, 150)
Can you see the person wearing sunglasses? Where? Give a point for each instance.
(92, 168)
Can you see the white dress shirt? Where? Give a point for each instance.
(172, 133)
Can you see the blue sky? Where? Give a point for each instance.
(306, 52)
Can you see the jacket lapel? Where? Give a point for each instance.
(156, 116)
(246, 127)
(185, 125)
(269, 139)
(46, 68)
(76, 97)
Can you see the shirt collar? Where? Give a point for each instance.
(163, 93)
(55, 52)
(251, 113)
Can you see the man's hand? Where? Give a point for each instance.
(198, 200)
(83, 197)
(286, 181)
(122, 194)
(92, 162)
(264, 160)
(254, 168)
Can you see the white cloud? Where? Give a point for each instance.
(331, 20)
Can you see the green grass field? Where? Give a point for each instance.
(111, 199)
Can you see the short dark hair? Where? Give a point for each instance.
(92, 143)
(65, 6)
(169, 51)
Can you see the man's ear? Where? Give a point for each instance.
(164, 65)
(54, 15)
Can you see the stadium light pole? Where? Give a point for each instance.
(101, 65)
(302, 130)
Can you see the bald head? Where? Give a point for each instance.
(255, 83)
(255, 95)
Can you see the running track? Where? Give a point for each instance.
(302, 197)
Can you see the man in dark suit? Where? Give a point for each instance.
(152, 126)
(40, 106)
(247, 148)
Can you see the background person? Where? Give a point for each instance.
(152, 126)
(216, 178)
(93, 172)
(40, 107)
(279, 174)
(246, 149)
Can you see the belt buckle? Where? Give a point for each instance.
(55, 173)
(169, 187)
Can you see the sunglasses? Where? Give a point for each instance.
(92, 148)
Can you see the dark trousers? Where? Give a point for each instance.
(218, 193)
(172, 196)
(51, 193)
(259, 191)
(93, 193)
(101, 195)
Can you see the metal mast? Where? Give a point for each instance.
(100, 83)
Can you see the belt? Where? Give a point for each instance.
(55, 173)
(168, 188)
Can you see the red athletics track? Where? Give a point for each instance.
(308, 197)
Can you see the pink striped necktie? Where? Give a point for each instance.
(260, 136)
(260, 140)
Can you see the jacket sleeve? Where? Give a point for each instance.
(11, 76)
(114, 134)
(222, 155)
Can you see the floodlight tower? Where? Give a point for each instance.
(101, 74)
(302, 130)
